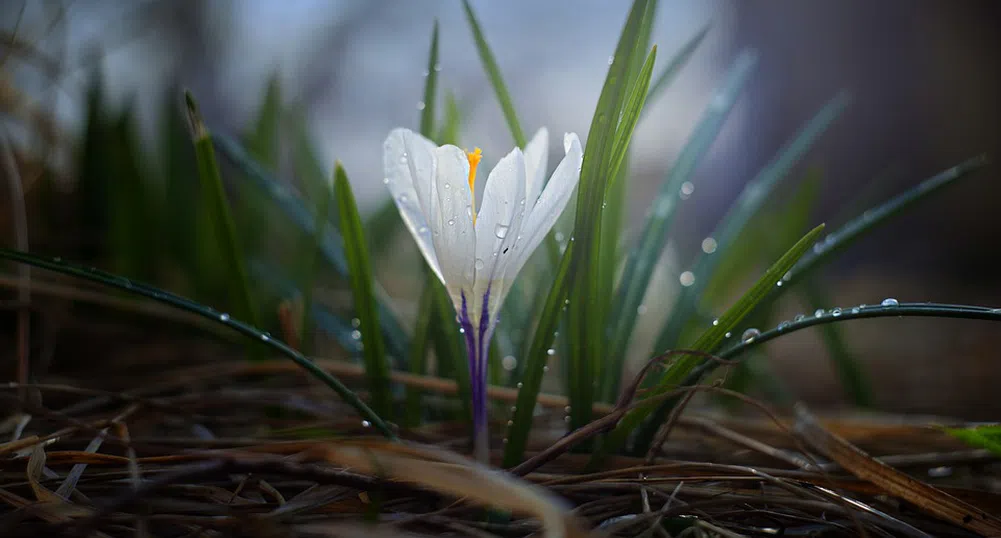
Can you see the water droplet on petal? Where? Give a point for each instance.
(385, 181)
(479, 264)
(500, 230)
(403, 198)
(451, 222)
(403, 159)
(749, 335)
(422, 230)
(889, 301)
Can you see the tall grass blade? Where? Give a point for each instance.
(754, 195)
(356, 250)
(165, 297)
(494, 74)
(708, 342)
(586, 332)
(643, 258)
(332, 245)
(449, 131)
(219, 215)
(535, 362)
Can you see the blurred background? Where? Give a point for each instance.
(924, 76)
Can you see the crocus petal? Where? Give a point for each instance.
(552, 201)
(498, 227)
(409, 164)
(451, 220)
(536, 160)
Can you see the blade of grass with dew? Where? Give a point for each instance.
(869, 220)
(643, 258)
(332, 245)
(536, 358)
(219, 215)
(679, 60)
(585, 330)
(494, 74)
(708, 342)
(356, 251)
(750, 200)
(176, 301)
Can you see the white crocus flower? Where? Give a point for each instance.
(477, 253)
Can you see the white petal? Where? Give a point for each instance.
(536, 160)
(451, 220)
(498, 226)
(553, 200)
(409, 164)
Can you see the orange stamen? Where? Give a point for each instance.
(474, 161)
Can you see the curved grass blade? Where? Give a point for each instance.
(182, 303)
(844, 236)
(755, 193)
(356, 251)
(585, 323)
(536, 358)
(643, 258)
(332, 245)
(494, 74)
(708, 342)
(679, 60)
(219, 214)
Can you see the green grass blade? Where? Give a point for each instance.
(356, 250)
(709, 341)
(535, 362)
(219, 215)
(754, 195)
(176, 301)
(643, 258)
(418, 358)
(586, 333)
(631, 113)
(679, 60)
(986, 436)
(332, 245)
(844, 236)
(262, 140)
(430, 86)
(494, 74)
(449, 131)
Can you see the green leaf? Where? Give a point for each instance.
(356, 250)
(679, 60)
(493, 73)
(332, 245)
(165, 297)
(755, 194)
(708, 342)
(535, 362)
(430, 86)
(605, 142)
(218, 215)
(643, 258)
(987, 436)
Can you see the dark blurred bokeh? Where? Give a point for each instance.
(924, 76)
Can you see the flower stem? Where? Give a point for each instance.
(477, 344)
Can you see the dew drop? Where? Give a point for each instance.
(520, 384)
(356, 334)
(818, 313)
(611, 60)
(509, 363)
(687, 278)
(779, 283)
(641, 309)
(385, 181)
(836, 312)
(856, 310)
(782, 326)
(265, 338)
(889, 301)
(448, 186)
(420, 104)
(728, 334)
(551, 352)
(749, 335)
(559, 236)
(57, 259)
(422, 230)
(403, 198)
(223, 317)
(545, 368)
(687, 188)
(566, 419)
(366, 424)
(355, 322)
(799, 318)
(500, 230)
(510, 423)
(451, 222)
(403, 158)
(462, 330)
(479, 264)
(709, 245)
(715, 322)
(566, 409)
